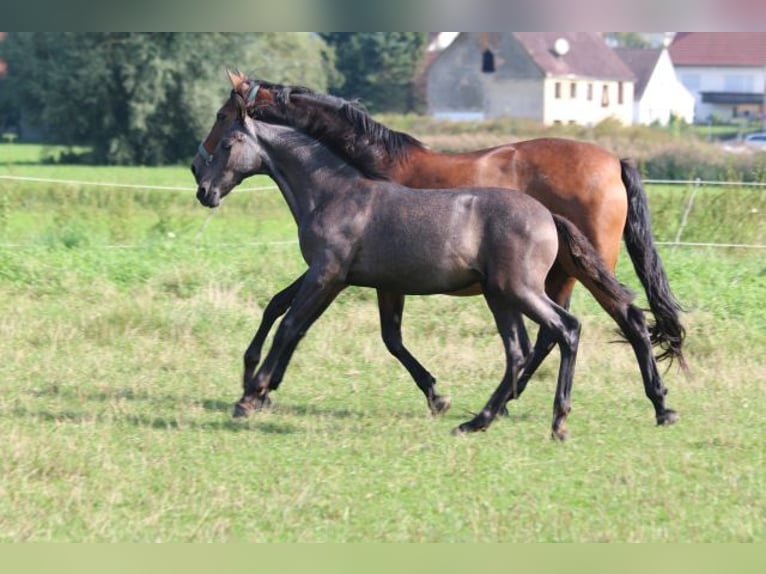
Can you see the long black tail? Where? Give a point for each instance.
(667, 332)
(581, 260)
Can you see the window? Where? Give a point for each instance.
(487, 61)
(620, 93)
(557, 90)
(738, 83)
(573, 90)
(605, 96)
(590, 92)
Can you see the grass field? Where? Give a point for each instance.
(124, 315)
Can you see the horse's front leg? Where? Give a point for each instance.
(391, 308)
(314, 295)
(277, 306)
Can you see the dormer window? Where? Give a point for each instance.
(487, 61)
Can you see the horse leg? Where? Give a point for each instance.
(391, 308)
(566, 329)
(559, 288)
(569, 338)
(510, 326)
(632, 322)
(277, 306)
(314, 296)
(578, 257)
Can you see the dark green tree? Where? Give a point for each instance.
(378, 67)
(144, 98)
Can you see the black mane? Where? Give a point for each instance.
(341, 124)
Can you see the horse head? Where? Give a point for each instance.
(242, 95)
(238, 155)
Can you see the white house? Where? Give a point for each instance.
(658, 94)
(550, 77)
(726, 72)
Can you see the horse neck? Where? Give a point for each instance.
(306, 171)
(361, 141)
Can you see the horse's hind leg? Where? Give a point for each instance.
(566, 329)
(569, 337)
(633, 325)
(559, 288)
(391, 307)
(511, 328)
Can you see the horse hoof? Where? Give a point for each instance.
(668, 417)
(463, 430)
(241, 410)
(469, 427)
(440, 405)
(560, 435)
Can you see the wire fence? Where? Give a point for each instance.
(751, 209)
(750, 212)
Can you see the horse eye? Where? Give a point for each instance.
(220, 116)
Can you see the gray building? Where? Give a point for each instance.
(550, 77)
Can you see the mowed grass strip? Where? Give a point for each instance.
(120, 365)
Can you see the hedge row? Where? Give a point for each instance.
(677, 152)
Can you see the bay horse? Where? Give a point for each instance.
(578, 180)
(355, 229)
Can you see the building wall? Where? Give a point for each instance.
(592, 101)
(457, 88)
(664, 95)
(522, 98)
(717, 79)
(453, 84)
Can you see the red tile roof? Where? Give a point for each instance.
(719, 49)
(588, 55)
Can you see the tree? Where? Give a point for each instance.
(378, 67)
(144, 97)
(627, 40)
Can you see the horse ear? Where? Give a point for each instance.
(235, 78)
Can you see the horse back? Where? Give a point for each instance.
(577, 180)
(443, 240)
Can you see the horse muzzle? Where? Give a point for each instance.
(208, 197)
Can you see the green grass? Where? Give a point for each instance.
(718, 214)
(32, 154)
(124, 315)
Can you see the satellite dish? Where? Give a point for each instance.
(561, 46)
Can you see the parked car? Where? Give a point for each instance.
(757, 139)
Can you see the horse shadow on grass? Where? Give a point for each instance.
(75, 417)
(311, 410)
(76, 411)
(255, 422)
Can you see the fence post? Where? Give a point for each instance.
(687, 209)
